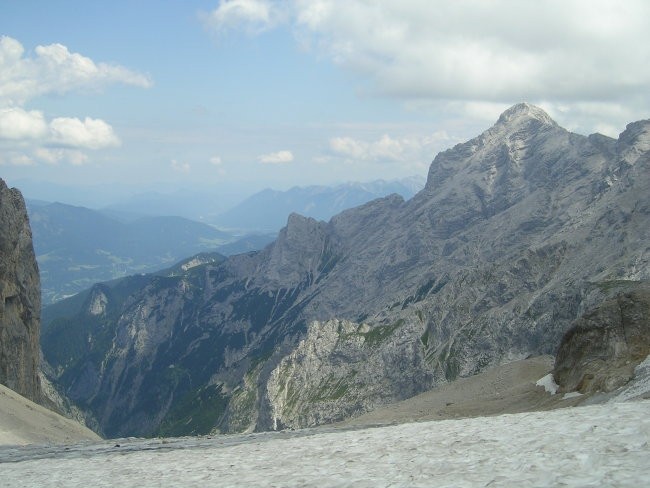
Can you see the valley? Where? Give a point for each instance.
(517, 233)
(325, 243)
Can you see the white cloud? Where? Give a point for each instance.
(88, 134)
(180, 166)
(595, 116)
(487, 55)
(49, 156)
(18, 124)
(15, 159)
(54, 156)
(216, 160)
(22, 126)
(54, 69)
(251, 16)
(411, 149)
(279, 157)
(349, 147)
(76, 158)
(501, 50)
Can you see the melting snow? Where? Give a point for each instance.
(571, 394)
(549, 384)
(598, 445)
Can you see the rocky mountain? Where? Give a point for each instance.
(516, 234)
(20, 298)
(77, 247)
(267, 210)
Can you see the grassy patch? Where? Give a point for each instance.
(330, 389)
(424, 339)
(378, 334)
(195, 414)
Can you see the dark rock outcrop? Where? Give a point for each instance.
(20, 298)
(602, 348)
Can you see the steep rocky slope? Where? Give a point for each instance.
(20, 298)
(517, 233)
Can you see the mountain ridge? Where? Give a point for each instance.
(269, 208)
(512, 238)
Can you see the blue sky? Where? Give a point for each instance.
(261, 93)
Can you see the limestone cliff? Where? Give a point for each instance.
(20, 298)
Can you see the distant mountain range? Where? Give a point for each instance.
(517, 233)
(200, 206)
(268, 209)
(77, 247)
(264, 211)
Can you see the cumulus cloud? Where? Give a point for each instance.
(557, 53)
(54, 69)
(49, 156)
(218, 163)
(18, 124)
(412, 149)
(89, 133)
(56, 155)
(280, 157)
(180, 166)
(498, 50)
(251, 16)
(15, 159)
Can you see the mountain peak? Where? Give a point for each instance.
(524, 111)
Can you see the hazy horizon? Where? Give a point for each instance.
(248, 94)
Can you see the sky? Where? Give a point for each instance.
(261, 93)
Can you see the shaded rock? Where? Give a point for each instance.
(20, 298)
(602, 348)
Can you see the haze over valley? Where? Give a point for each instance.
(325, 243)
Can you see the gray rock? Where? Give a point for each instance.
(20, 298)
(601, 350)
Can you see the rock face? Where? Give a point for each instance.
(517, 233)
(20, 298)
(336, 371)
(601, 350)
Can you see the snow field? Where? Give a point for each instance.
(599, 445)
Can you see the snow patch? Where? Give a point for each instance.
(599, 445)
(549, 384)
(571, 394)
